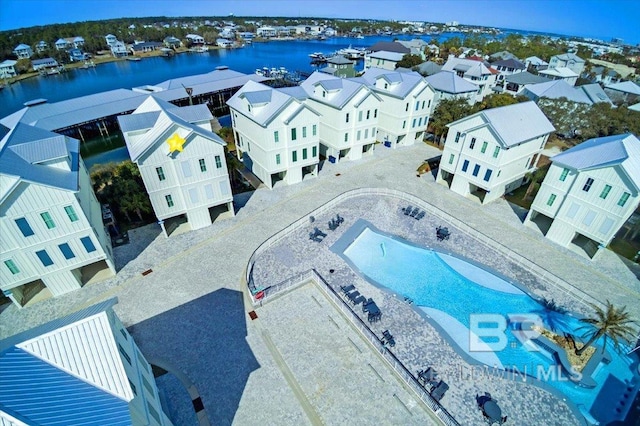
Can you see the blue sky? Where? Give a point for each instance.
(591, 18)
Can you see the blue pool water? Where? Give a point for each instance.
(449, 291)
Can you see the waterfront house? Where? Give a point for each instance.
(568, 60)
(276, 134)
(625, 92)
(76, 55)
(23, 51)
(266, 32)
(349, 112)
(62, 44)
(473, 71)
(44, 63)
(382, 59)
(53, 238)
(110, 39)
(560, 73)
(589, 192)
(77, 42)
(404, 112)
(329, 32)
(8, 68)
(145, 47)
(447, 85)
(172, 42)
(416, 47)
(181, 161)
(41, 46)
(119, 49)
(195, 39)
(78, 368)
(224, 43)
(487, 154)
(339, 66)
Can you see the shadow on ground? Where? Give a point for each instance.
(206, 339)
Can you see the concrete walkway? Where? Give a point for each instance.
(191, 266)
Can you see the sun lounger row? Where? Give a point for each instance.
(414, 212)
(368, 305)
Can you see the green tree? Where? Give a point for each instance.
(448, 111)
(409, 61)
(534, 178)
(611, 322)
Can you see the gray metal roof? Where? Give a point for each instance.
(141, 121)
(390, 46)
(258, 97)
(24, 147)
(595, 93)
(296, 91)
(470, 67)
(401, 83)
(276, 101)
(387, 56)
(429, 68)
(556, 89)
(623, 150)
(339, 60)
(625, 86)
(525, 78)
(514, 124)
(449, 82)
(569, 57)
(346, 89)
(509, 63)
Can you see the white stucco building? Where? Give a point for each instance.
(407, 102)
(488, 153)
(473, 71)
(349, 112)
(589, 192)
(182, 162)
(568, 60)
(51, 233)
(80, 369)
(276, 134)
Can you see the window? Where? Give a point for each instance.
(304, 132)
(589, 217)
(153, 412)
(133, 388)
(419, 121)
(484, 147)
(324, 94)
(429, 104)
(276, 136)
(366, 133)
(169, 200)
(203, 165)
(414, 123)
(358, 135)
(457, 137)
(404, 124)
(249, 107)
(249, 146)
(12, 266)
(277, 158)
(208, 191)
(148, 386)
(487, 175)
(193, 195)
(406, 108)
(496, 152)
(473, 143)
(346, 137)
(294, 156)
(71, 213)
(24, 227)
(218, 162)
(422, 104)
(551, 199)
(605, 191)
(587, 185)
(44, 258)
(465, 165)
(314, 130)
(124, 353)
(564, 174)
(314, 152)
(623, 199)
(66, 251)
(451, 157)
(375, 113)
(476, 169)
(294, 135)
(417, 105)
(88, 244)
(359, 115)
(304, 153)
(160, 173)
(347, 118)
(47, 220)
(368, 112)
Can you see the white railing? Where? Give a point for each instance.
(517, 258)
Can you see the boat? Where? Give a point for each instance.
(351, 53)
(360, 36)
(316, 55)
(133, 58)
(199, 49)
(87, 65)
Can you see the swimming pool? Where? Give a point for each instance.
(448, 291)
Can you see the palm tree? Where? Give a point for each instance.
(609, 322)
(534, 178)
(552, 314)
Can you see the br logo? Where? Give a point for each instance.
(490, 332)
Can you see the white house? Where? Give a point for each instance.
(266, 32)
(447, 85)
(407, 102)
(568, 60)
(195, 39)
(473, 71)
(110, 39)
(277, 134)
(44, 63)
(560, 73)
(41, 46)
(62, 44)
(79, 369)
(119, 49)
(349, 112)
(589, 192)
(23, 51)
(508, 67)
(382, 59)
(8, 68)
(535, 63)
(182, 162)
(50, 222)
(488, 153)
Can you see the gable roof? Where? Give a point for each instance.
(339, 60)
(449, 82)
(569, 57)
(168, 115)
(594, 92)
(509, 63)
(390, 46)
(405, 82)
(534, 60)
(623, 150)
(24, 147)
(53, 377)
(562, 72)
(429, 68)
(625, 86)
(387, 56)
(556, 89)
(346, 88)
(514, 124)
(469, 67)
(525, 77)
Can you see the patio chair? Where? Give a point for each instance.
(353, 295)
(387, 338)
(347, 289)
(414, 212)
(420, 215)
(339, 219)
(358, 300)
(332, 225)
(439, 390)
(369, 306)
(407, 210)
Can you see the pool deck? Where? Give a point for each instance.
(190, 310)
